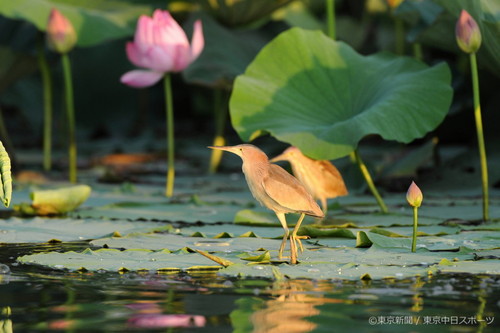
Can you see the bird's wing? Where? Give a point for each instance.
(333, 181)
(288, 192)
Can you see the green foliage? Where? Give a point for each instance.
(324, 97)
(5, 177)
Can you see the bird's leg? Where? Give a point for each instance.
(324, 205)
(294, 239)
(282, 218)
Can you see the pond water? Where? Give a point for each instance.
(34, 299)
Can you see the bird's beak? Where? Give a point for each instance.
(230, 149)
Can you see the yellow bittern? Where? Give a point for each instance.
(320, 177)
(277, 190)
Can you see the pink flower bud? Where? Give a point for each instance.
(394, 3)
(467, 33)
(414, 196)
(61, 36)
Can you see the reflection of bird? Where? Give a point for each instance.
(276, 189)
(320, 177)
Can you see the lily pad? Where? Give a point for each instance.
(485, 266)
(40, 230)
(115, 260)
(326, 271)
(177, 242)
(161, 212)
(476, 240)
(324, 97)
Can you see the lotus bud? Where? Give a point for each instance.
(467, 33)
(393, 4)
(414, 196)
(61, 36)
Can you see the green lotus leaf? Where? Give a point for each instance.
(322, 96)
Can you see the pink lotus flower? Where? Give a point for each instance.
(162, 46)
(61, 36)
(166, 320)
(467, 33)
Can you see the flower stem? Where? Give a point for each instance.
(330, 12)
(369, 181)
(169, 190)
(47, 105)
(415, 224)
(400, 35)
(480, 136)
(70, 115)
(220, 107)
(417, 51)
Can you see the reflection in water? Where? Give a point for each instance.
(34, 299)
(292, 303)
(5, 322)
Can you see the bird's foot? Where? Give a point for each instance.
(297, 239)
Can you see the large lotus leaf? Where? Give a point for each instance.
(322, 96)
(95, 21)
(40, 230)
(116, 260)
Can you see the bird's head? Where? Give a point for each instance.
(288, 154)
(247, 152)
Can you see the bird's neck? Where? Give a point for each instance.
(255, 167)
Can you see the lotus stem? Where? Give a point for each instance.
(220, 123)
(70, 112)
(400, 35)
(417, 51)
(369, 181)
(47, 106)
(480, 136)
(415, 225)
(330, 12)
(169, 108)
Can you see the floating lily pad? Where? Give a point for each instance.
(40, 230)
(485, 266)
(162, 212)
(115, 260)
(326, 271)
(476, 240)
(176, 242)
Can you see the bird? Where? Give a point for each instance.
(320, 177)
(273, 187)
